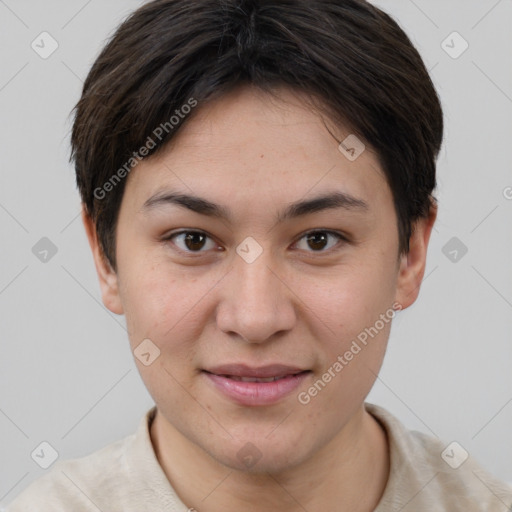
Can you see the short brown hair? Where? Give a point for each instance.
(351, 55)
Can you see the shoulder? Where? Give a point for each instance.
(429, 474)
(77, 484)
(124, 476)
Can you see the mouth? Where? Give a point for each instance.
(251, 386)
(263, 373)
(259, 379)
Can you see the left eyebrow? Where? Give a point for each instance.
(298, 209)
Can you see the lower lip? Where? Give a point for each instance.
(257, 393)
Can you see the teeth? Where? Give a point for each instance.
(255, 379)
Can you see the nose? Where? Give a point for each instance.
(257, 303)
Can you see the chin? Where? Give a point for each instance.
(259, 455)
(272, 463)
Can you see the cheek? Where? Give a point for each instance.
(352, 351)
(164, 308)
(351, 298)
(167, 306)
(356, 305)
(147, 293)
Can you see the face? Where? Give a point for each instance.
(263, 283)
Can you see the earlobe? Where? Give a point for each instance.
(107, 276)
(412, 264)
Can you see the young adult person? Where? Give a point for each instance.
(257, 182)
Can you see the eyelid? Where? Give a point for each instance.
(168, 237)
(341, 237)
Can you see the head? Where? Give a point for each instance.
(252, 107)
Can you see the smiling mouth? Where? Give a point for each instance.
(257, 390)
(260, 379)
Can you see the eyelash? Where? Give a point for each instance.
(339, 236)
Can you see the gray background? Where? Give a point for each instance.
(66, 372)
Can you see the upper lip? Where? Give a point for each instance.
(243, 370)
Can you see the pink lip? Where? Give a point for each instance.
(257, 393)
(243, 370)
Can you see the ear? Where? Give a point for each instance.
(412, 264)
(106, 275)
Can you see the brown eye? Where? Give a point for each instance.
(194, 241)
(319, 240)
(190, 241)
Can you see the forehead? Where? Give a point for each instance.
(248, 143)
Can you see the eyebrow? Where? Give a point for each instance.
(300, 208)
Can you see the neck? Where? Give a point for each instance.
(348, 473)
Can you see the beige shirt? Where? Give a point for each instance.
(125, 476)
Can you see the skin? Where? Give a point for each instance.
(298, 303)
